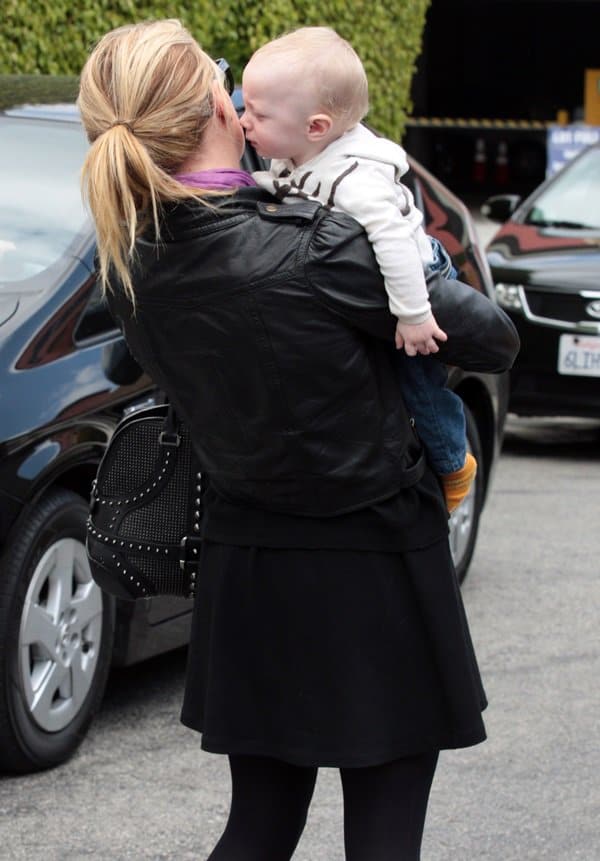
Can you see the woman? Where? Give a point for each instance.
(328, 627)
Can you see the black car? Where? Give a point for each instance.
(66, 379)
(545, 262)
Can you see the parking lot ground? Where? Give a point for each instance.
(141, 788)
(532, 791)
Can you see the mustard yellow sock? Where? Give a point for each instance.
(457, 484)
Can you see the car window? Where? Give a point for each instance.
(573, 198)
(42, 218)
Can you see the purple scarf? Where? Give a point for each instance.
(219, 179)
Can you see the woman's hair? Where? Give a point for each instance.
(322, 60)
(145, 98)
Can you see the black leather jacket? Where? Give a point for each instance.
(267, 325)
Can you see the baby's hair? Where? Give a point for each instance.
(330, 64)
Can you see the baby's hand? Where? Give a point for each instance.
(419, 338)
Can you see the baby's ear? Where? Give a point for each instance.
(319, 126)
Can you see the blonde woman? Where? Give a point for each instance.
(328, 627)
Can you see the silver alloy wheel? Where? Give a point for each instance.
(60, 633)
(462, 521)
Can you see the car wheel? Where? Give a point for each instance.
(56, 635)
(464, 520)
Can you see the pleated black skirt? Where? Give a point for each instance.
(342, 658)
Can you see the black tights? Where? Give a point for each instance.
(384, 809)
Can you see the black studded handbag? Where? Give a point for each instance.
(145, 508)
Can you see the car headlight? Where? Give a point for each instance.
(509, 296)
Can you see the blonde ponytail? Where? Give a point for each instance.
(145, 97)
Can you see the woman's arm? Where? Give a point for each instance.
(342, 273)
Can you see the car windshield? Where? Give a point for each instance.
(572, 200)
(42, 217)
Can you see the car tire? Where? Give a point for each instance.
(464, 520)
(56, 629)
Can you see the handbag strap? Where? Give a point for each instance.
(169, 435)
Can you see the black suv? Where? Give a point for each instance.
(66, 379)
(545, 261)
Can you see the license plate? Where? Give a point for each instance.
(579, 355)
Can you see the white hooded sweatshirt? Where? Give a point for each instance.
(359, 174)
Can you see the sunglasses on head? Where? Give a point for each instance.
(227, 75)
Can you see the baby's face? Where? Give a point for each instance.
(276, 110)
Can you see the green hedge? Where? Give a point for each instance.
(54, 36)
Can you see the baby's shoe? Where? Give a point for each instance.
(457, 484)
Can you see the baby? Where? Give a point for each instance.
(305, 94)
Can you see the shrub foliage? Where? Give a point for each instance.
(41, 37)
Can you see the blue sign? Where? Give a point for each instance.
(564, 142)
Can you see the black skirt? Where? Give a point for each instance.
(341, 658)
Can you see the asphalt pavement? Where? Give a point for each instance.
(141, 788)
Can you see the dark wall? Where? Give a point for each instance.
(511, 59)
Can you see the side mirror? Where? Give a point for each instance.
(119, 365)
(500, 207)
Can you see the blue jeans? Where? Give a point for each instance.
(438, 412)
(442, 262)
